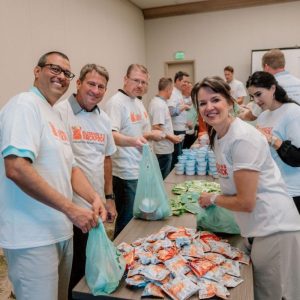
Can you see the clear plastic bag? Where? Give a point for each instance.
(217, 219)
(151, 200)
(105, 265)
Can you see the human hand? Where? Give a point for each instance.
(204, 200)
(157, 135)
(99, 209)
(139, 142)
(175, 139)
(265, 132)
(83, 218)
(111, 210)
(189, 124)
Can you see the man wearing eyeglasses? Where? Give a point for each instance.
(131, 129)
(38, 177)
(89, 130)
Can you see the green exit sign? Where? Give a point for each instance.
(179, 55)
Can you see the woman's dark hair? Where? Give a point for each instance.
(217, 85)
(261, 79)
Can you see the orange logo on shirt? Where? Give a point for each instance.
(60, 134)
(222, 170)
(80, 135)
(135, 117)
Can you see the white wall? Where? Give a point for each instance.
(217, 39)
(109, 33)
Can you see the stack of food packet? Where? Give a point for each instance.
(180, 262)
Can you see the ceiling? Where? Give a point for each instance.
(165, 8)
(143, 4)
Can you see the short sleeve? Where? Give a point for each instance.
(158, 115)
(21, 126)
(249, 154)
(114, 110)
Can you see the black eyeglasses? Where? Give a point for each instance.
(56, 70)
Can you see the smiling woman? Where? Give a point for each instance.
(252, 187)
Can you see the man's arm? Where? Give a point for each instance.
(22, 173)
(84, 189)
(128, 141)
(108, 189)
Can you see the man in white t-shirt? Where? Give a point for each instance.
(178, 110)
(237, 89)
(273, 62)
(161, 120)
(89, 131)
(131, 129)
(38, 177)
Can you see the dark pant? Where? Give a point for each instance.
(79, 258)
(124, 191)
(177, 149)
(297, 202)
(189, 140)
(165, 161)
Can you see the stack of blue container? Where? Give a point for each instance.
(200, 161)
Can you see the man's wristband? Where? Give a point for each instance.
(110, 197)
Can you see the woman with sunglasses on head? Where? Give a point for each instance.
(280, 123)
(252, 187)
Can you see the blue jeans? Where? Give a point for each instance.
(124, 191)
(177, 149)
(165, 161)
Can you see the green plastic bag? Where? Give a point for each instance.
(151, 199)
(217, 219)
(105, 265)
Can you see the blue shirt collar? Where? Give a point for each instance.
(77, 108)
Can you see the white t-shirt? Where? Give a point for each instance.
(128, 117)
(160, 115)
(29, 122)
(91, 139)
(244, 147)
(284, 122)
(237, 89)
(176, 100)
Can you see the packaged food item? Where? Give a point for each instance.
(129, 258)
(181, 232)
(125, 248)
(205, 246)
(222, 248)
(180, 288)
(162, 244)
(138, 242)
(242, 257)
(215, 274)
(177, 265)
(209, 289)
(231, 267)
(135, 269)
(230, 281)
(155, 272)
(147, 258)
(201, 266)
(182, 241)
(206, 235)
(194, 250)
(155, 237)
(216, 258)
(165, 254)
(152, 290)
(137, 281)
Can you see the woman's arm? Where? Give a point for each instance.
(246, 182)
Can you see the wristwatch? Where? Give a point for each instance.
(110, 197)
(213, 198)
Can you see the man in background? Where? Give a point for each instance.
(178, 109)
(273, 61)
(38, 177)
(161, 120)
(131, 130)
(89, 131)
(238, 91)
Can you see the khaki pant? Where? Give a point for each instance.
(276, 266)
(41, 272)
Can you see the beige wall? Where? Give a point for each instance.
(221, 38)
(107, 32)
